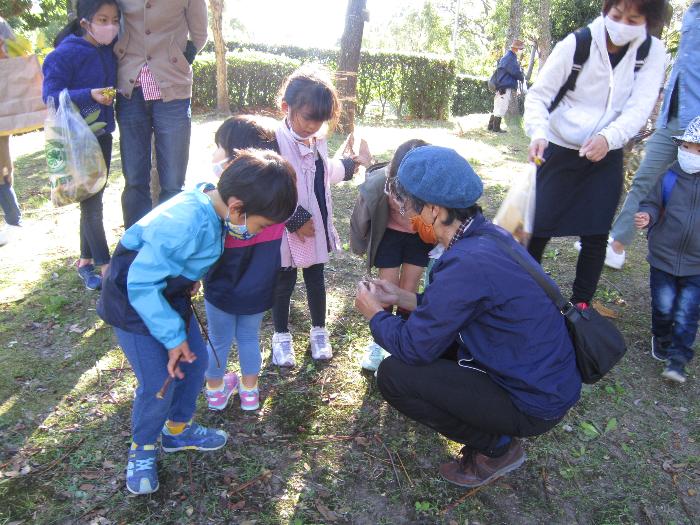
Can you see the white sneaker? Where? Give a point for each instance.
(612, 258)
(373, 356)
(283, 350)
(320, 344)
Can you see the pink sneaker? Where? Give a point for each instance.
(219, 400)
(250, 399)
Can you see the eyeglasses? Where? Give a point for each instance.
(390, 192)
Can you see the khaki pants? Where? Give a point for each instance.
(5, 159)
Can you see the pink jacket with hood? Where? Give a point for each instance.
(297, 252)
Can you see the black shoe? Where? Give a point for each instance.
(490, 127)
(497, 125)
(659, 351)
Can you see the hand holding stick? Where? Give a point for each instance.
(164, 389)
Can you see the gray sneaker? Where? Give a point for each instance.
(674, 373)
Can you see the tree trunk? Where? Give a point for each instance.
(349, 61)
(544, 41)
(531, 64)
(217, 13)
(514, 25)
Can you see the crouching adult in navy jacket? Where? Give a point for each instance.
(485, 356)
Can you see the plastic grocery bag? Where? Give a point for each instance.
(517, 212)
(77, 168)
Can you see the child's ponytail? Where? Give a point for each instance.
(73, 28)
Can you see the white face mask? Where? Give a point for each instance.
(622, 34)
(689, 161)
(218, 167)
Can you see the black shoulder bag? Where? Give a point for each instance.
(598, 344)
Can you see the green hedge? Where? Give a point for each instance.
(413, 85)
(253, 79)
(471, 95)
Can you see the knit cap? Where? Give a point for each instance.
(440, 176)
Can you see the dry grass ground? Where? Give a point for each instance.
(323, 448)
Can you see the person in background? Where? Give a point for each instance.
(681, 103)
(485, 356)
(671, 213)
(84, 64)
(508, 74)
(578, 143)
(156, 48)
(380, 228)
(8, 198)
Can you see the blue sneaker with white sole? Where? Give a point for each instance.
(141, 471)
(194, 437)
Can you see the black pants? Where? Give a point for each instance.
(93, 242)
(315, 295)
(588, 268)
(460, 403)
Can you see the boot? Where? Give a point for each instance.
(490, 128)
(475, 469)
(497, 125)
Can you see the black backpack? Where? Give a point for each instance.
(583, 51)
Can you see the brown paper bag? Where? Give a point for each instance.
(21, 107)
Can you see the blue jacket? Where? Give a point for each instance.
(686, 72)
(146, 290)
(242, 282)
(81, 67)
(509, 72)
(504, 324)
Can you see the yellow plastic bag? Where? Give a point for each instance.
(77, 168)
(517, 212)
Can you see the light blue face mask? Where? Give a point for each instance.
(238, 231)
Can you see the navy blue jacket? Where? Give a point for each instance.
(502, 321)
(81, 67)
(242, 282)
(509, 71)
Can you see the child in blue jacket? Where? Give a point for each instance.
(146, 298)
(84, 64)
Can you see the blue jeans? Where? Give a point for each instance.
(675, 309)
(223, 329)
(659, 153)
(148, 359)
(8, 198)
(171, 124)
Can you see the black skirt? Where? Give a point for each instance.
(576, 196)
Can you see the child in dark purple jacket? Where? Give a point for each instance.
(84, 64)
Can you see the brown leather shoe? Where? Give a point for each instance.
(475, 469)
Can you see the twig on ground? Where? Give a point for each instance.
(404, 469)
(249, 483)
(56, 461)
(375, 457)
(464, 498)
(393, 466)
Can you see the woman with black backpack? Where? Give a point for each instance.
(594, 93)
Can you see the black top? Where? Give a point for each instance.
(616, 57)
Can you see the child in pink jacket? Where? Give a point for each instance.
(310, 103)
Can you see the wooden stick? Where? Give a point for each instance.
(464, 498)
(164, 389)
(248, 483)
